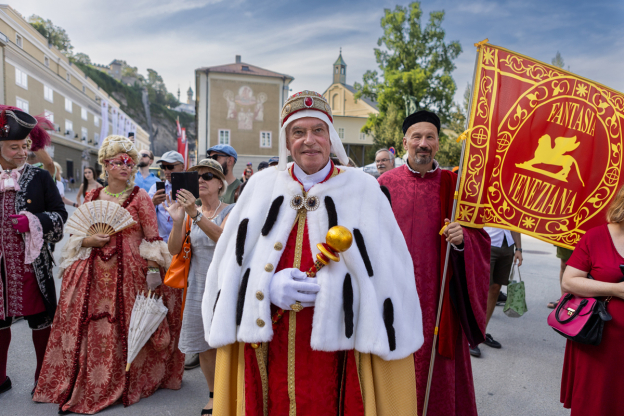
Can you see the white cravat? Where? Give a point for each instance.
(309, 181)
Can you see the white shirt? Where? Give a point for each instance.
(497, 235)
(308, 181)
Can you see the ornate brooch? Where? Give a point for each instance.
(310, 203)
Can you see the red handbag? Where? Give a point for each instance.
(580, 319)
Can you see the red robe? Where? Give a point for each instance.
(326, 383)
(420, 205)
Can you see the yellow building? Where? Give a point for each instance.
(239, 104)
(39, 79)
(349, 115)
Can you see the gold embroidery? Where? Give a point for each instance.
(261, 356)
(300, 221)
(292, 331)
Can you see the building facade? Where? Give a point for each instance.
(39, 79)
(349, 115)
(239, 104)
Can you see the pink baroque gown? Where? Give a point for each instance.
(84, 365)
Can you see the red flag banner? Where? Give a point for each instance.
(544, 150)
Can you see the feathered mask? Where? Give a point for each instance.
(38, 135)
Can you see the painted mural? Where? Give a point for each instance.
(245, 107)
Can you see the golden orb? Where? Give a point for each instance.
(339, 238)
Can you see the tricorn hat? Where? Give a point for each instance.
(16, 124)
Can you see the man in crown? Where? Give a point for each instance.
(32, 216)
(339, 340)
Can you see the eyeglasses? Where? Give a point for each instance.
(207, 176)
(145, 155)
(168, 167)
(383, 160)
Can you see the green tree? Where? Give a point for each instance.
(416, 65)
(558, 60)
(56, 35)
(450, 150)
(83, 58)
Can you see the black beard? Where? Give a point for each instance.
(225, 168)
(142, 165)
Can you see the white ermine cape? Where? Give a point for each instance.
(386, 319)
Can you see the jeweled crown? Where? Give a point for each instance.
(305, 100)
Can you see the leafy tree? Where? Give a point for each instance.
(416, 65)
(83, 58)
(450, 150)
(56, 35)
(558, 60)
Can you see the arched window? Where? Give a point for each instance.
(336, 69)
(342, 70)
(335, 102)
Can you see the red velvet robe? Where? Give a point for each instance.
(420, 205)
(326, 383)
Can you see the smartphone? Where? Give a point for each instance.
(185, 180)
(159, 186)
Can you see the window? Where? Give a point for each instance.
(224, 137)
(68, 105)
(49, 115)
(96, 121)
(84, 89)
(265, 139)
(336, 69)
(68, 77)
(341, 133)
(245, 68)
(83, 113)
(362, 136)
(48, 93)
(46, 61)
(96, 138)
(85, 134)
(21, 78)
(69, 128)
(342, 70)
(21, 103)
(19, 41)
(335, 102)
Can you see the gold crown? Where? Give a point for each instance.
(305, 100)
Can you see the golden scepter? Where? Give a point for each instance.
(338, 239)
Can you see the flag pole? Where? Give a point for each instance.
(448, 246)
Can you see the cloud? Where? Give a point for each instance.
(302, 40)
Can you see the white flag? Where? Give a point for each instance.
(104, 121)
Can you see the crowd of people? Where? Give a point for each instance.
(279, 315)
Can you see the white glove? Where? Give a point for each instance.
(291, 285)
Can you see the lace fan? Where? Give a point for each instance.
(99, 217)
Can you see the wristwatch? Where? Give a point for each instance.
(519, 249)
(198, 217)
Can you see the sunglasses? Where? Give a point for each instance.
(145, 155)
(168, 167)
(119, 164)
(216, 156)
(207, 176)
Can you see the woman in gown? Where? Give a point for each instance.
(208, 222)
(592, 381)
(84, 365)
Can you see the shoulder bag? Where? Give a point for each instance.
(580, 319)
(177, 275)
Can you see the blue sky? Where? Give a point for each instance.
(302, 39)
